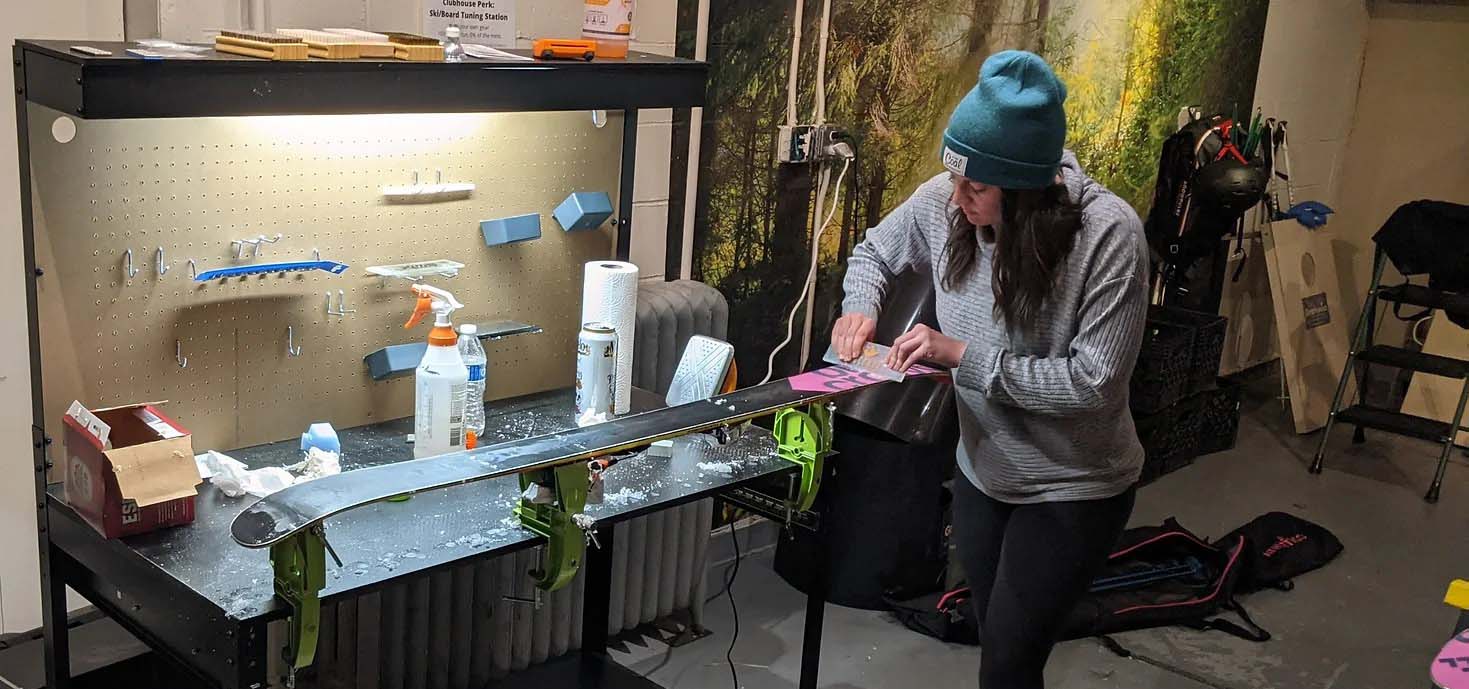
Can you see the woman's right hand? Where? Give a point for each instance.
(851, 333)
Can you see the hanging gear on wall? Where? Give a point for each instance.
(1209, 176)
(1311, 214)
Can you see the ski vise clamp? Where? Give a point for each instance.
(299, 564)
(803, 438)
(566, 543)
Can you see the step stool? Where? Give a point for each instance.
(1364, 354)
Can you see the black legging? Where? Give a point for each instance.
(1027, 566)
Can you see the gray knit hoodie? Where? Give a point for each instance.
(1043, 415)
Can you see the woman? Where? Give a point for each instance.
(1040, 276)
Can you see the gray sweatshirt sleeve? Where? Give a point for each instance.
(895, 245)
(1103, 353)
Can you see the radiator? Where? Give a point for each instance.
(455, 628)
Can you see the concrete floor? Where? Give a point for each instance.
(1371, 619)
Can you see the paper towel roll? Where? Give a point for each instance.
(610, 295)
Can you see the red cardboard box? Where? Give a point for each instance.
(144, 478)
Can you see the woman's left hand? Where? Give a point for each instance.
(923, 343)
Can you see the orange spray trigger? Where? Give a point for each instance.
(425, 303)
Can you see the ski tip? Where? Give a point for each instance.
(255, 528)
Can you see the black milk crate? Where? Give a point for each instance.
(1170, 438)
(1208, 343)
(1219, 417)
(1161, 377)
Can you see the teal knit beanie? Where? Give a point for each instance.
(1009, 130)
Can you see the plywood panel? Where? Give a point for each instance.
(1312, 328)
(1436, 397)
(191, 186)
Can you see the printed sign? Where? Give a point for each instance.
(1317, 312)
(488, 22)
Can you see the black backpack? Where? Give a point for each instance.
(1165, 575)
(1281, 547)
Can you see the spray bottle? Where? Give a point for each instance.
(439, 382)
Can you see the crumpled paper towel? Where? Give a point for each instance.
(318, 463)
(591, 417)
(234, 479)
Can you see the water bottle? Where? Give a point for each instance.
(474, 393)
(453, 52)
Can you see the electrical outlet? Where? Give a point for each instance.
(806, 143)
(794, 144)
(831, 143)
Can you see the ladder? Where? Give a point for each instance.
(1364, 353)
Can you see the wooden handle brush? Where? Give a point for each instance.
(325, 45)
(270, 46)
(415, 48)
(369, 44)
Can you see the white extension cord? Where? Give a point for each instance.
(810, 274)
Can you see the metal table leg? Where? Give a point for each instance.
(54, 620)
(811, 642)
(597, 602)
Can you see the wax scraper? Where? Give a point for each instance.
(873, 360)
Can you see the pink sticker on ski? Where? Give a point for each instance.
(843, 378)
(1451, 668)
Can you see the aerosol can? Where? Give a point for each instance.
(440, 380)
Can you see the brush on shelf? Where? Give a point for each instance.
(369, 44)
(325, 45)
(415, 48)
(269, 46)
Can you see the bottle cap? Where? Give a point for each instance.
(468, 329)
(452, 32)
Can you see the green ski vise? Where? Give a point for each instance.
(299, 563)
(566, 543)
(804, 439)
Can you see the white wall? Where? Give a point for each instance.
(1407, 142)
(1310, 65)
(20, 587)
(654, 26)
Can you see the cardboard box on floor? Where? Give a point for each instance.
(145, 480)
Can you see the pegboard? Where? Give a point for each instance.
(193, 185)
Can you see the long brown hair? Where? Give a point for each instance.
(1038, 229)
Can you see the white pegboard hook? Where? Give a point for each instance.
(341, 309)
(159, 263)
(178, 354)
(127, 256)
(292, 349)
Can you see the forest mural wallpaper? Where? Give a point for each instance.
(894, 72)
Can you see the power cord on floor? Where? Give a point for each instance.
(728, 582)
(733, 609)
(667, 656)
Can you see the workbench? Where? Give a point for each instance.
(201, 600)
(191, 593)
